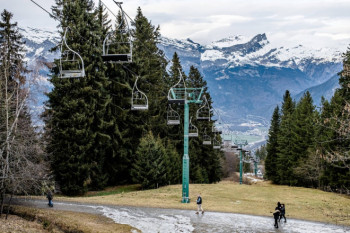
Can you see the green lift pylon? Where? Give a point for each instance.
(240, 144)
(185, 96)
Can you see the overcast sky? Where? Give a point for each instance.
(314, 23)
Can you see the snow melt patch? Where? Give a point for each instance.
(147, 223)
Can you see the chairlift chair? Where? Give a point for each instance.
(206, 138)
(173, 117)
(117, 45)
(139, 100)
(177, 93)
(192, 130)
(71, 63)
(216, 130)
(203, 113)
(216, 143)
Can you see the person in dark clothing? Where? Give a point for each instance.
(199, 204)
(279, 205)
(283, 213)
(276, 216)
(50, 197)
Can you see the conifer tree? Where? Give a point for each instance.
(303, 134)
(78, 121)
(272, 147)
(285, 146)
(149, 168)
(205, 161)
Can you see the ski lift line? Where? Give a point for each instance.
(45, 10)
(108, 9)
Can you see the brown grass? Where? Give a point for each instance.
(15, 224)
(227, 196)
(61, 221)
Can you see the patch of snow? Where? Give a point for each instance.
(212, 55)
(230, 41)
(38, 51)
(149, 223)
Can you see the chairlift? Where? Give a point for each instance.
(173, 117)
(216, 130)
(216, 143)
(206, 138)
(117, 45)
(139, 100)
(192, 130)
(71, 63)
(203, 113)
(177, 93)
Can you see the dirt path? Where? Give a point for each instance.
(173, 220)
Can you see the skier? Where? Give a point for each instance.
(49, 197)
(276, 216)
(199, 204)
(283, 213)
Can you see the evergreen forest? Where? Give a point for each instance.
(309, 146)
(94, 137)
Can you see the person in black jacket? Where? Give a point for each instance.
(276, 216)
(283, 213)
(50, 197)
(199, 204)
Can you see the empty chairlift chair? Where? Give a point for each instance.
(71, 63)
(177, 93)
(216, 130)
(203, 113)
(173, 117)
(117, 46)
(206, 138)
(192, 130)
(139, 100)
(216, 143)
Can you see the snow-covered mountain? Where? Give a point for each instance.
(246, 76)
(250, 75)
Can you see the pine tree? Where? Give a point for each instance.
(78, 121)
(272, 147)
(150, 169)
(285, 146)
(303, 134)
(205, 161)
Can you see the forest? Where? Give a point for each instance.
(309, 146)
(96, 134)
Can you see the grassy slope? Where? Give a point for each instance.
(257, 199)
